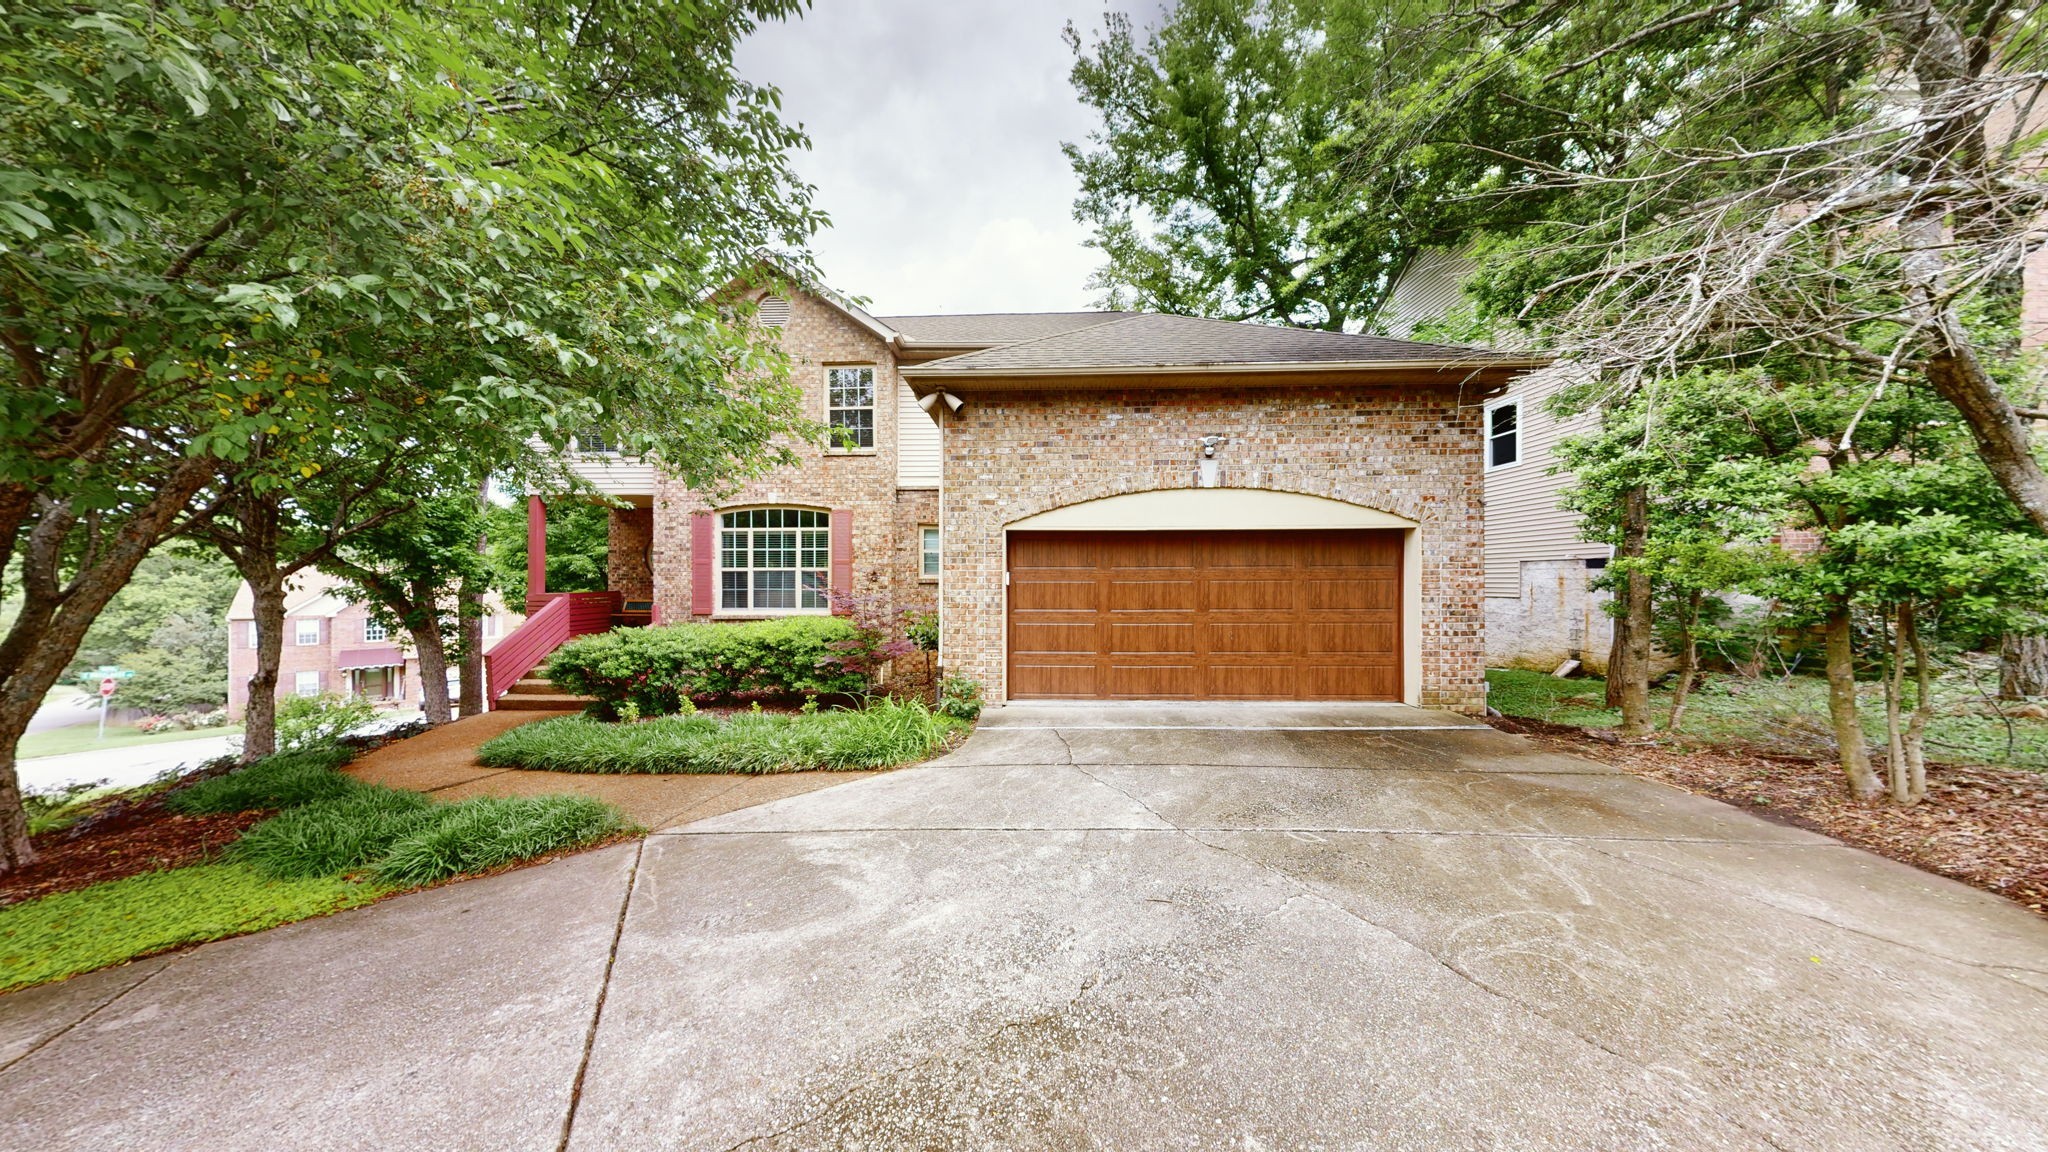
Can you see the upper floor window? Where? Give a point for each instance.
(774, 560)
(594, 441)
(928, 552)
(1503, 434)
(850, 408)
(375, 633)
(306, 632)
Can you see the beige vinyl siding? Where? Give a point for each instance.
(615, 475)
(1523, 521)
(917, 442)
(1431, 286)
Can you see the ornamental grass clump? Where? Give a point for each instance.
(882, 735)
(487, 831)
(285, 780)
(336, 835)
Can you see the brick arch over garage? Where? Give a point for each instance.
(1219, 521)
(1410, 453)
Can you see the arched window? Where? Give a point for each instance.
(774, 560)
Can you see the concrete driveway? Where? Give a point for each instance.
(1119, 928)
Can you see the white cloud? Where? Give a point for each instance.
(935, 130)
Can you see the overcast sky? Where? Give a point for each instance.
(935, 129)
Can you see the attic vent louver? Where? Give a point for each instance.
(774, 312)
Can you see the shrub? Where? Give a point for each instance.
(333, 836)
(487, 831)
(960, 698)
(754, 743)
(285, 780)
(658, 669)
(317, 721)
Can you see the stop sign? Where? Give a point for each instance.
(107, 686)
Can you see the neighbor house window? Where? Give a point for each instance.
(850, 408)
(306, 632)
(490, 626)
(306, 683)
(1503, 434)
(375, 633)
(255, 634)
(595, 442)
(774, 560)
(928, 548)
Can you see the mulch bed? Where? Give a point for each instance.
(136, 838)
(1987, 827)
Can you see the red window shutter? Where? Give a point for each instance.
(703, 564)
(842, 561)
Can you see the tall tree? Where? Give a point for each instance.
(223, 221)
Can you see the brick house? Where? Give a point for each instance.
(332, 645)
(1099, 505)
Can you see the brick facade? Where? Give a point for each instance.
(1414, 453)
(629, 553)
(862, 483)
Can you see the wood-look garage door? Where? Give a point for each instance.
(1279, 615)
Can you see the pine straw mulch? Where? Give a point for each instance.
(122, 840)
(1987, 827)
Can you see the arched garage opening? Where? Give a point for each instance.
(1213, 594)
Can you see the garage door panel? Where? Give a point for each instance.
(1028, 595)
(1155, 681)
(1253, 682)
(1233, 639)
(1206, 615)
(1078, 680)
(1346, 594)
(1148, 639)
(1220, 595)
(1128, 594)
(1326, 639)
(1037, 637)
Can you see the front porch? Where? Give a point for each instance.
(554, 618)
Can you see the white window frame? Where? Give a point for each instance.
(303, 681)
(760, 547)
(490, 625)
(1518, 434)
(833, 444)
(929, 554)
(299, 632)
(376, 632)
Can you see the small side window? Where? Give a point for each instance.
(928, 545)
(1503, 434)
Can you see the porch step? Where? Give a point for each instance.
(534, 694)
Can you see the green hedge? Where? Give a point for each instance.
(657, 669)
(883, 735)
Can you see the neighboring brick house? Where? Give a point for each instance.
(1101, 505)
(331, 645)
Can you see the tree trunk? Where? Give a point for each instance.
(1915, 740)
(259, 715)
(1855, 756)
(1688, 661)
(1635, 678)
(433, 659)
(2022, 666)
(471, 606)
(1894, 706)
(54, 613)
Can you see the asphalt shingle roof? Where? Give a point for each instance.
(1149, 340)
(988, 328)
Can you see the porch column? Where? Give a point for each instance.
(536, 553)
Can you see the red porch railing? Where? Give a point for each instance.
(564, 617)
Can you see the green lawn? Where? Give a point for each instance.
(85, 738)
(1781, 714)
